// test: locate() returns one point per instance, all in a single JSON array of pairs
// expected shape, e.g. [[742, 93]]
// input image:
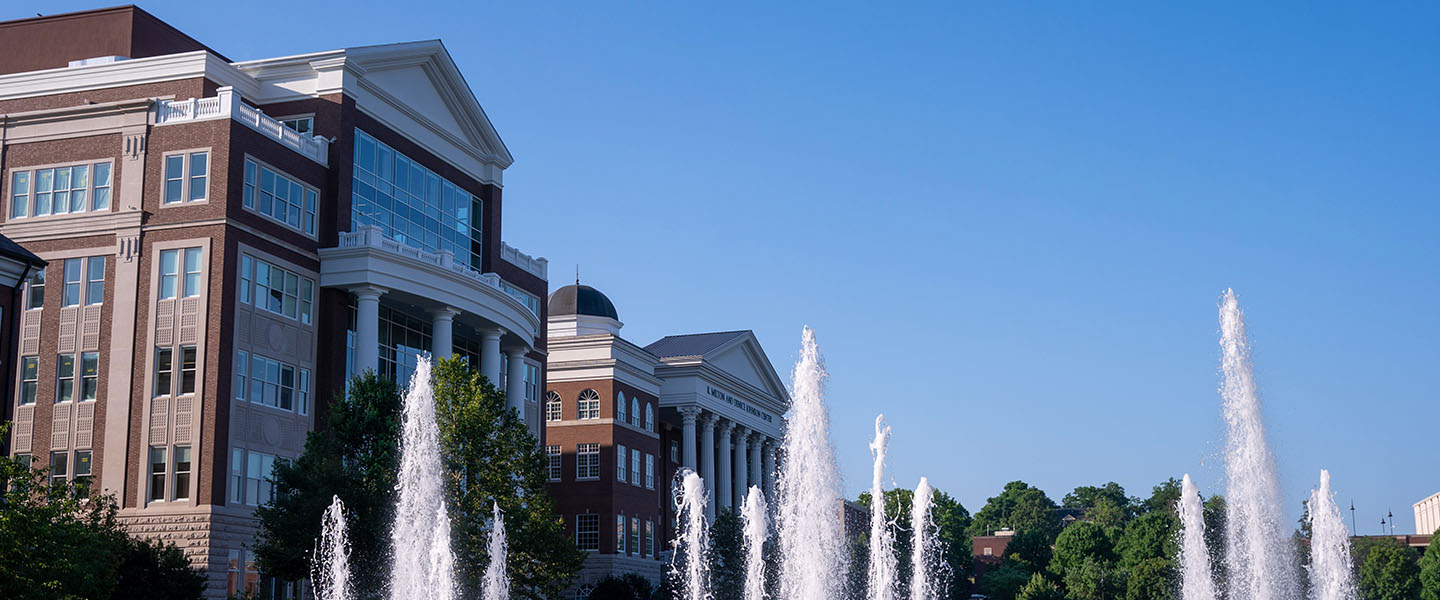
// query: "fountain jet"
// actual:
[[812, 536], [692, 538], [330, 569], [497, 582], [1196, 579], [925, 573], [1331, 576], [883, 568], [424, 564], [757, 529]]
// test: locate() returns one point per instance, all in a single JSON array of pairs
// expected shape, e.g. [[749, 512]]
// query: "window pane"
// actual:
[[95, 273], [198, 170], [174, 178]]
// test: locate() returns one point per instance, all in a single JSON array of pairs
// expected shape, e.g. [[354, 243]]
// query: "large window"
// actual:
[[553, 406], [552, 454], [35, 289], [526, 298], [635, 535], [157, 473], [532, 383], [82, 471], [29, 379], [403, 339], [619, 406], [272, 383], [68, 379], [186, 177], [174, 377], [87, 276], [60, 190], [300, 124], [413, 205], [635, 412], [589, 404], [587, 461], [649, 417], [276, 289], [635, 467], [650, 471], [620, 463], [587, 532], [182, 473], [619, 534], [58, 472], [279, 197], [250, 481], [649, 547], [179, 273]]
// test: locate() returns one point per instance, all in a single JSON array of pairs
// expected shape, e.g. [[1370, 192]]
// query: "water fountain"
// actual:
[[811, 533], [1331, 577], [496, 584], [757, 529], [330, 569], [692, 537], [1258, 556], [925, 547], [1196, 579], [883, 569], [424, 564]]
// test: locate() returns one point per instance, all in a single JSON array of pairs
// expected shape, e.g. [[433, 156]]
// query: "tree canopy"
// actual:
[[1389, 573], [1020, 507]]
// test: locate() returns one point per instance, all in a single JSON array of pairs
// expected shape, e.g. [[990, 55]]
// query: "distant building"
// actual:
[[1420, 542], [16, 266], [1427, 515], [989, 550], [857, 519]]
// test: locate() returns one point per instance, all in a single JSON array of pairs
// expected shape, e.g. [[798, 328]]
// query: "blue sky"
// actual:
[[1009, 222]]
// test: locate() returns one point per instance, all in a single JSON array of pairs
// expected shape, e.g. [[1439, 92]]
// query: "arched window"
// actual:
[[584, 592], [589, 404], [635, 412], [620, 406], [649, 417], [552, 406]]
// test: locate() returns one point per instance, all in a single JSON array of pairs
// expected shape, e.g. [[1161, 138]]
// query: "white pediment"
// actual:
[[738, 363], [412, 86], [743, 359]]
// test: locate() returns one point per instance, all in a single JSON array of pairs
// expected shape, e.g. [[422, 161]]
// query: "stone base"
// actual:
[[598, 566], [205, 536]]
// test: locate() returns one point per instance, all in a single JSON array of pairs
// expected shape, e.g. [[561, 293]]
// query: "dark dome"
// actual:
[[581, 300]]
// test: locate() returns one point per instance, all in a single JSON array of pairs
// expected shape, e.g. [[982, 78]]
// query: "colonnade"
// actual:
[[745, 457], [442, 344]]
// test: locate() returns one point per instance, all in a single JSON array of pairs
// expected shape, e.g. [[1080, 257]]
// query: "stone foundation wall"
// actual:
[[206, 538]]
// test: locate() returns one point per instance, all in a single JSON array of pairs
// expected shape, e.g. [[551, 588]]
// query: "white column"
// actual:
[[769, 467], [515, 381], [490, 355], [707, 461], [688, 415], [726, 469], [742, 468], [367, 328], [442, 333], [755, 466]]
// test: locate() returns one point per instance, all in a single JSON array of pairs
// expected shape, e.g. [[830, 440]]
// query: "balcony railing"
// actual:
[[227, 104], [370, 236], [535, 266]]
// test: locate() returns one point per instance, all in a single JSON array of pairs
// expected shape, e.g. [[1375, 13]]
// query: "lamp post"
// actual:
[[1354, 530], [1391, 516]]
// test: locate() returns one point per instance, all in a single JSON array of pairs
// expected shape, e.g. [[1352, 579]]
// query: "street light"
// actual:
[[1354, 530]]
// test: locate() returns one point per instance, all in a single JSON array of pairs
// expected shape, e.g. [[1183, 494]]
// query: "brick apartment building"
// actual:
[[224, 242], [621, 420]]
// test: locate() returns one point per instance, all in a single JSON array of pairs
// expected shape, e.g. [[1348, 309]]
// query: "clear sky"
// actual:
[[1009, 222]]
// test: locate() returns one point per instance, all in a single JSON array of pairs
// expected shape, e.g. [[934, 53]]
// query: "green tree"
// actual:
[[952, 521], [1005, 581], [625, 587], [1078, 542], [1430, 570], [61, 541], [355, 456], [1093, 579], [1163, 497], [727, 556], [1030, 548], [1152, 536], [1390, 573], [1019, 507], [1040, 588], [1151, 579], [491, 458]]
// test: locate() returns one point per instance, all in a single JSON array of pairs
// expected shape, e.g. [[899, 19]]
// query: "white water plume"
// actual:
[[496, 585], [1196, 579], [1331, 574], [883, 564], [925, 573], [1259, 558], [423, 562], [812, 535], [756, 526], [692, 537], [330, 565]]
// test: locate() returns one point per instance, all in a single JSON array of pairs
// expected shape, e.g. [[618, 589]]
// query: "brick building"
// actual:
[[621, 420], [227, 241]]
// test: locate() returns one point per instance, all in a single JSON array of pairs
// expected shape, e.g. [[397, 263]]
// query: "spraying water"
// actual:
[[330, 571], [925, 551], [883, 568], [1258, 553], [424, 563], [1196, 582], [496, 584], [757, 529], [1331, 576], [812, 536], [692, 538]]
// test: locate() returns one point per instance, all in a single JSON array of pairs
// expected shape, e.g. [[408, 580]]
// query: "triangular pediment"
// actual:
[[743, 359], [412, 86]]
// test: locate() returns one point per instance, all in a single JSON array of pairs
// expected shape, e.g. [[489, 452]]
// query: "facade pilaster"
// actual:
[[707, 462], [515, 381], [490, 355], [723, 474], [442, 336], [688, 414], [367, 328]]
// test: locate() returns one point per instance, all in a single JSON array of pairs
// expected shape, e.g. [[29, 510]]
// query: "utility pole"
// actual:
[[1353, 529]]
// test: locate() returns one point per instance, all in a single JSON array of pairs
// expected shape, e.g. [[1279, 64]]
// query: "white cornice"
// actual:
[[155, 69]]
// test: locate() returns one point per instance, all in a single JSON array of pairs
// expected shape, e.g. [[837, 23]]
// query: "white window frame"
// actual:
[[620, 406], [587, 462], [635, 467], [32, 181], [588, 405], [649, 471], [286, 121], [620, 468], [309, 207], [554, 407], [555, 467], [187, 177], [588, 520], [250, 288]]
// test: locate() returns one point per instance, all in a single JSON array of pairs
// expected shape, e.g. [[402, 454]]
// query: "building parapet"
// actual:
[[538, 267], [228, 104], [370, 236]]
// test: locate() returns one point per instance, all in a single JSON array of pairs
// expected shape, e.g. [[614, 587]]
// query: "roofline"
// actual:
[[110, 9]]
